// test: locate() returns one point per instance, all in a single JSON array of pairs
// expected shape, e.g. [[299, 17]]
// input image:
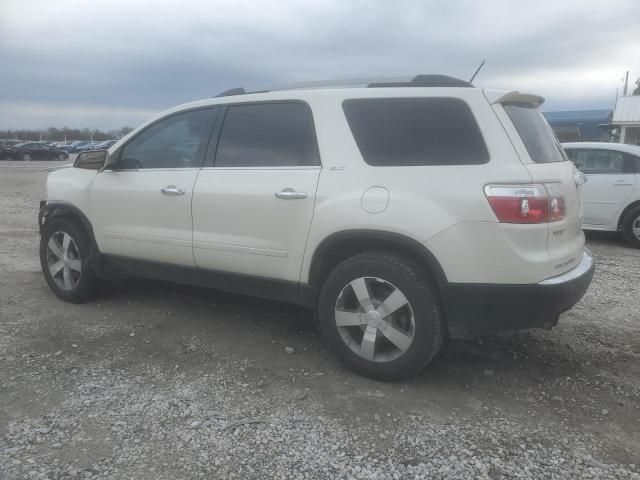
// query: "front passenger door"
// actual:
[[142, 208]]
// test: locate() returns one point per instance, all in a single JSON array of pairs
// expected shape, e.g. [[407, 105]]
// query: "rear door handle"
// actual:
[[172, 190], [291, 194], [622, 184]]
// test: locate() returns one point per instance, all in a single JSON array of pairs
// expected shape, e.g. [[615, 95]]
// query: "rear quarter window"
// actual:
[[415, 131], [536, 134]]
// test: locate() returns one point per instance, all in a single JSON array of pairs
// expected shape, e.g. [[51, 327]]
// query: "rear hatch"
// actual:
[[548, 165]]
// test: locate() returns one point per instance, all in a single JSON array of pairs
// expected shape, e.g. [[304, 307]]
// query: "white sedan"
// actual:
[[611, 196]]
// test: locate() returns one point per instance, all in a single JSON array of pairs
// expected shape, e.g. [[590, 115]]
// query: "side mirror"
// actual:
[[91, 159]]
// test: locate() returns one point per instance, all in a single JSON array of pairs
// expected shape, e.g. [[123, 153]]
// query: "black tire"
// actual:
[[84, 283], [390, 269], [630, 221]]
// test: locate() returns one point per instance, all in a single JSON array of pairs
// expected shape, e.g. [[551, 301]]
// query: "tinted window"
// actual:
[[572, 154], [174, 142], [536, 134], [601, 161], [267, 135], [415, 131]]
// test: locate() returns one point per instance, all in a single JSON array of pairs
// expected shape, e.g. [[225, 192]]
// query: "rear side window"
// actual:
[[415, 131], [267, 135], [600, 161], [536, 134]]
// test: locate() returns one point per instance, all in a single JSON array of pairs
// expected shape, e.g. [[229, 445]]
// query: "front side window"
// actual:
[[267, 135], [174, 142], [536, 134]]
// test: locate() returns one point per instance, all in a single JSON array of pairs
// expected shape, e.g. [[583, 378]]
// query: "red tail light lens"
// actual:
[[525, 203]]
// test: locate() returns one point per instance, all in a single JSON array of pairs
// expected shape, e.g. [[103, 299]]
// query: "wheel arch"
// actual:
[[53, 210], [339, 246], [626, 210]]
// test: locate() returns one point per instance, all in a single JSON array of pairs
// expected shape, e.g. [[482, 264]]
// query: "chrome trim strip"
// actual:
[[293, 167], [148, 238], [226, 247], [583, 267]]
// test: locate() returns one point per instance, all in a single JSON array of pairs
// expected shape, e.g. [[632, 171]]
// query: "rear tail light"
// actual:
[[536, 203]]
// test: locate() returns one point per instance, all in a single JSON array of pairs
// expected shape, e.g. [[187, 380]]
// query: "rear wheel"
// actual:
[[61, 156], [64, 254], [631, 227], [381, 315]]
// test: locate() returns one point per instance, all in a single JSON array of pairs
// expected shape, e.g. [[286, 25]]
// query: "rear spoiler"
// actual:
[[514, 97]]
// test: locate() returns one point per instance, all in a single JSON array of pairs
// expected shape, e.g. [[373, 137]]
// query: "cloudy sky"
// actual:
[[109, 63]]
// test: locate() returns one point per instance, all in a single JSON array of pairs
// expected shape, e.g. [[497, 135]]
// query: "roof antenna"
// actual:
[[478, 69]]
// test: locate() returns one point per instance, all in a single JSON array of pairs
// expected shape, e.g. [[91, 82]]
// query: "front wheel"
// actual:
[[381, 315], [26, 157], [631, 227], [64, 255]]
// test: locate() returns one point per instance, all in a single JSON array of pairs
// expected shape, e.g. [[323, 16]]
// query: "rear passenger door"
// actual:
[[253, 202], [611, 180]]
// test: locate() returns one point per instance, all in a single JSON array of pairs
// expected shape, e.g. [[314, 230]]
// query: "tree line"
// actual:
[[52, 134]]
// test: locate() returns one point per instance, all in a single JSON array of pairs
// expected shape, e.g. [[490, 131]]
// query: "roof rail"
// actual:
[[417, 81], [232, 91], [426, 81]]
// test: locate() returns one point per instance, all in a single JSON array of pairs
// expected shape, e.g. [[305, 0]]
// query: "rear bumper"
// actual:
[[486, 309]]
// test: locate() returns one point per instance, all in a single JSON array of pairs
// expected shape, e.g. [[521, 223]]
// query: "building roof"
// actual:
[[627, 110], [576, 116]]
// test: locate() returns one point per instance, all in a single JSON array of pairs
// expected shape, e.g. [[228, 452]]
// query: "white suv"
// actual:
[[612, 194], [404, 212]]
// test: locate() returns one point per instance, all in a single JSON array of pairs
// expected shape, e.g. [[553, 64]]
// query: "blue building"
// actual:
[[581, 125]]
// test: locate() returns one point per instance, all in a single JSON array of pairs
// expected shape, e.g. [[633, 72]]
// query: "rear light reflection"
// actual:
[[525, 203]]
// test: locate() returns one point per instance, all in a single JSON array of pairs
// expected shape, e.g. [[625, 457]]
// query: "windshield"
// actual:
[[536, 134]]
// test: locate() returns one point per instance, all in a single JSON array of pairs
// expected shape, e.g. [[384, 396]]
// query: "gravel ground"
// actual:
[[160, 381]]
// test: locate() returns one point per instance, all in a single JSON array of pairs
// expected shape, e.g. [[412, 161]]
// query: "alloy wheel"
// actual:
[[375, 319], [63, 260], [635, 227]]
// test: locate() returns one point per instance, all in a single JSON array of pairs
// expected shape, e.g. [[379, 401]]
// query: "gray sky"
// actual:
[[109, 63]]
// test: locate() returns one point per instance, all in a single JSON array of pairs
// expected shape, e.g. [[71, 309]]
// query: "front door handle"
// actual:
[[172, 190], [291, 194], [622, 183]]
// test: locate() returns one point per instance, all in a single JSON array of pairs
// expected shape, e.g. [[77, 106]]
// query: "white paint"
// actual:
[[605, 196], [375, 200], [240, 226]]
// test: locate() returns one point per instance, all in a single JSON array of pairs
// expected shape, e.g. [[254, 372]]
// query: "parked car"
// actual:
[[77, 147], [5, 146], [35, 151], [103, 145], [87, 146], [403, 212], [611, 195], [65, 145]]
